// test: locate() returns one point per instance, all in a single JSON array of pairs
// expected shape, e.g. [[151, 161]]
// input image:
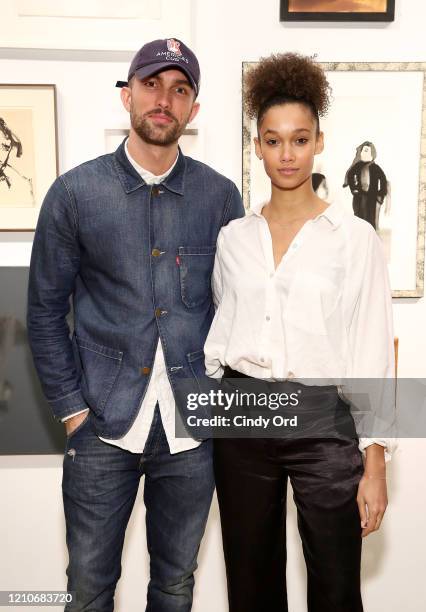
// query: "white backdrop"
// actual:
[[32, 551]]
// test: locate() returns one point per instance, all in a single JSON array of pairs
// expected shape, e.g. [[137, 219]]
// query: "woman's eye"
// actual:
[[272, 141], [302, 141]]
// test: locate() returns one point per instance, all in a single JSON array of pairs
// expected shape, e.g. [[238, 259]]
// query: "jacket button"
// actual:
[[145, 370], [155, 252], [157, 312], [155, 190]]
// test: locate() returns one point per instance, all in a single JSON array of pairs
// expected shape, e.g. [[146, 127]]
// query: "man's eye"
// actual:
[[150, 83], [182, 90]]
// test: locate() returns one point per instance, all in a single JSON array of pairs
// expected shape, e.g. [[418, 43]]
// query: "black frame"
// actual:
[[287, 15]]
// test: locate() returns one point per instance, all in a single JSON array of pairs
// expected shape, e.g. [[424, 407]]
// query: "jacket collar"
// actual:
[[132, 180]]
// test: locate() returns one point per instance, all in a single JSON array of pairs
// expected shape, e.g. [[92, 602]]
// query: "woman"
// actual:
[[302, 292]]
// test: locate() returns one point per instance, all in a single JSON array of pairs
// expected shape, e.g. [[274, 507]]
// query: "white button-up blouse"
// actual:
[[324, 313]]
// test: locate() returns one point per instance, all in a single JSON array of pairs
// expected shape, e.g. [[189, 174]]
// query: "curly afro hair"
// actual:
[[286, 77]]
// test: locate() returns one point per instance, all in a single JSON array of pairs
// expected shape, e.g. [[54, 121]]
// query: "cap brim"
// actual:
[[152, 69]]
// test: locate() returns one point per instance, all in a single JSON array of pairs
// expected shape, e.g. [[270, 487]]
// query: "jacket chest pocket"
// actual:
[[195, 270]]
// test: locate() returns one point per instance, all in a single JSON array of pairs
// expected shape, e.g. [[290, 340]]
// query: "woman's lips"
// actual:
[[287, 171]]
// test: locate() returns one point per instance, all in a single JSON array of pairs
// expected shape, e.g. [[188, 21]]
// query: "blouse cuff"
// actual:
[[390, 445]]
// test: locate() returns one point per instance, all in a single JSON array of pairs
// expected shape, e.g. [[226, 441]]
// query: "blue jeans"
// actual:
[[100, 484]]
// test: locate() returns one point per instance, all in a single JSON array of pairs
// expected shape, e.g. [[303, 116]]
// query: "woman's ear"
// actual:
[[319, 143], [257, 147]]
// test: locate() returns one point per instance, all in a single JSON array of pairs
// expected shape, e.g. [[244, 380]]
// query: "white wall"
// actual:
[[32, 552]]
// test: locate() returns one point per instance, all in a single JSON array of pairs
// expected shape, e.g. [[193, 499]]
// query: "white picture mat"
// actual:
[[103, 9], [385, 108], [41, 101], [168, 18]]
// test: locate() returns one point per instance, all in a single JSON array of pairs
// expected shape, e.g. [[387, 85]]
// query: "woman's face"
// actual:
[[287, 143], [366, 154]]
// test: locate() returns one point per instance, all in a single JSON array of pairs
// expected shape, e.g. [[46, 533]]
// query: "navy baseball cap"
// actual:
[[166, 54]]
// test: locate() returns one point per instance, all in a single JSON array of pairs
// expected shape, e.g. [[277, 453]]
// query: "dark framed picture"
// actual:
[[27, 426], [337, 10]]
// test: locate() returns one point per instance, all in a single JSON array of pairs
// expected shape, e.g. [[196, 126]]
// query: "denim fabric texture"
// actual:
[[100, 484]]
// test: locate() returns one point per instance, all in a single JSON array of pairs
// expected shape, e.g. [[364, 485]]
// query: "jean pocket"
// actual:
[[100, 368], [196, 363], [195, 271], [79, 426]]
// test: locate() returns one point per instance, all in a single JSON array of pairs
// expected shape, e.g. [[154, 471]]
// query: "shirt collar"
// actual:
[[132, 180], [333, 213], [149, 177]]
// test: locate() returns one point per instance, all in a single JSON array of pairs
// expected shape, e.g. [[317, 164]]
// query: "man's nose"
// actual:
[[163, 98]]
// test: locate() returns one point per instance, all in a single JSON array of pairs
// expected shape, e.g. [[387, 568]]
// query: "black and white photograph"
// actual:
[[27, 127], [16, 158]]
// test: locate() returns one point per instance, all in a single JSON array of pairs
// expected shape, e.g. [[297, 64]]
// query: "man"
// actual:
[[131, 237]]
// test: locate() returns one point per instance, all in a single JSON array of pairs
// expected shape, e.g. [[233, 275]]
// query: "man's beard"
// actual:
[[162, 136]]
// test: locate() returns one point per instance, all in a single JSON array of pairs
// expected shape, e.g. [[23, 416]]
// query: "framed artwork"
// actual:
[[337, 10], [27, 425], [376, 122], [105, 25], [28, 152]]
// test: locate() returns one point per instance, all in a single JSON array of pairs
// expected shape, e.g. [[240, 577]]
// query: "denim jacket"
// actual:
[[137, 262]]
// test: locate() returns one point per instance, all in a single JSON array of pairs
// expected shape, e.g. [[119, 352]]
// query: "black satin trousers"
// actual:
[[251, 482]]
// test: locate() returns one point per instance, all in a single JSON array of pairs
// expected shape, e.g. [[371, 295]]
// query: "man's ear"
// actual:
[[319, 144], [126, 97], [194, 111]]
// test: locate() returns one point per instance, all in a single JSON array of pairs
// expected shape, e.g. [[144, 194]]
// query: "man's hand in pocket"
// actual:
[[72, 423]]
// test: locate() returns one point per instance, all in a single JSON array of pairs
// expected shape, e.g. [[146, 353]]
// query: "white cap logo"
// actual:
[[174, 46]]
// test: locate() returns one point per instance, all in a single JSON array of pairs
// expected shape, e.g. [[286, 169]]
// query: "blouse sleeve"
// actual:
[[371, 348], [212, 352], [217, 274]]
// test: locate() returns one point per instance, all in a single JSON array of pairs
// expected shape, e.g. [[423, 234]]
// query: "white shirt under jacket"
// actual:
[[324, 313]]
